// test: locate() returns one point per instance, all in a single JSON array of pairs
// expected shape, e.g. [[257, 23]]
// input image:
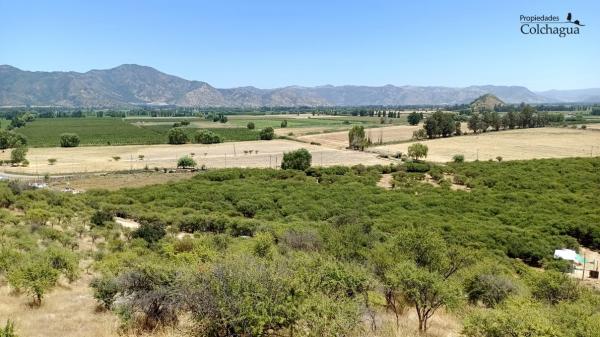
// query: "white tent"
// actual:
[[566, 254]]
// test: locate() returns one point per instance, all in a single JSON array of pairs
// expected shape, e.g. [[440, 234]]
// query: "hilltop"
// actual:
[[486, 102]]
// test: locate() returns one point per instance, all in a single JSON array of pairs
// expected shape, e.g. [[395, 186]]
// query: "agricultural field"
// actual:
[[274, 243], [386, 134], [127, 157], [510, 145]]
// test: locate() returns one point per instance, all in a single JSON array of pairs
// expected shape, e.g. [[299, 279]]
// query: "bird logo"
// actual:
[[576, 22]]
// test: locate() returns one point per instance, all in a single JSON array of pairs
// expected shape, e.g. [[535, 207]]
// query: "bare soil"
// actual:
[[339, 140]]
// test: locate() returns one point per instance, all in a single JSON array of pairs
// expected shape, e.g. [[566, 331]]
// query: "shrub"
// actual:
[[51, 161], [490, 289], [100, 217], [554, 287], [69, 140], [267, 133], [207, 137], [177, 136], [8, 330], [186, 162], [417, 167], [296, 160], [151, 232], [458, 158], [105, 290], [284, 123], [250, 125]]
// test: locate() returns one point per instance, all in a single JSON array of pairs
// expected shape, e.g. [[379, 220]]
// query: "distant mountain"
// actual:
[[573, 96], [487, 102], [130, 84]]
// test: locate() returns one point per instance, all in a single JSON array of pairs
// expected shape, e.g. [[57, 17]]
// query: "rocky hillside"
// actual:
[[486, 102], [130, 84]]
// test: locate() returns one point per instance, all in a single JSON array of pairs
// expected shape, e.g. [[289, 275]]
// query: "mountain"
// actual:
[[486, 102], [130, 85], [573, 96]]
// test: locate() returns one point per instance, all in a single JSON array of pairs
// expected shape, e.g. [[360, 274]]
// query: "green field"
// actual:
[[45, 132]]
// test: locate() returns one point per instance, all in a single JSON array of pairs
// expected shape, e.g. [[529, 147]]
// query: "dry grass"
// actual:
[[339, 140], [441, 325], [235, 154], [510, 145], [67, 311], [116, 181]]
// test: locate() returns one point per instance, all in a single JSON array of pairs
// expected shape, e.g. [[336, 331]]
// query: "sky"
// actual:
[[274, 43]]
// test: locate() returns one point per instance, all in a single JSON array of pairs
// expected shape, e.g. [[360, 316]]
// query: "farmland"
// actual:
[[237, 154], [510, 145]]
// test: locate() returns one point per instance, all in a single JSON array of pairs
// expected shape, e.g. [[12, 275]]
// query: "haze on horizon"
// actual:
[[271, 44]]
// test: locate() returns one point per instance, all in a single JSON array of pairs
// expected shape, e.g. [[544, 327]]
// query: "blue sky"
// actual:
[[276, 43]]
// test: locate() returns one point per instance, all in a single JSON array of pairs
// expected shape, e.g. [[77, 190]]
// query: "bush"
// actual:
[[267, 133], [490, 289], [10, 139], [417, 167], [554, 287], [458, 158], [250, 125], [207, 137], [177, 136], [186, 162], [105, 290], [151, 232], [69, 140], [100, 217], [296, 160], [284, 124], [8, 330]]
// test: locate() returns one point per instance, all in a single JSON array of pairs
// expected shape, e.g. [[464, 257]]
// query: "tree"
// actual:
[[36, 276], [10, 139], [356, 138], [414, 118], [284, 123], [17, 155], [250, 126], [69, 140], [267, 133], [474, 123], [418, 151], [296, 160], [425, 275], [207, 137], [186, 162], [177, 136], [105, 290]]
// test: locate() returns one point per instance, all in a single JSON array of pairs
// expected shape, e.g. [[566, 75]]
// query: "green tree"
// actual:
[[17, 155], [10, 139], [418, 151], [296, 160], [207, 137], [177, 136], [356, 138], [250, 125], [69, 140], [474, 123], [414, 118], [284, 123], [186, 162], [36, 276], [267, 133]]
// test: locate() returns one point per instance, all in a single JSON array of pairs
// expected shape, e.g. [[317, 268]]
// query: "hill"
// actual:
[[130, 85], [486, 102]]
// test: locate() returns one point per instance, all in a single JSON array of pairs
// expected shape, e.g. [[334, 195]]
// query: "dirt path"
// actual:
[[386, 181]]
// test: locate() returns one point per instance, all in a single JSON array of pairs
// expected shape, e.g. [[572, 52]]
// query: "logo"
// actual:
[[549, 25]]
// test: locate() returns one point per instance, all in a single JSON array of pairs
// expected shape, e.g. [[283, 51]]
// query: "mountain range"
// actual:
[[131, 85]]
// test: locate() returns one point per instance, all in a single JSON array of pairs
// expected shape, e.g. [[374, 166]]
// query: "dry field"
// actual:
[[339, 140], [235, 154], [510, 145]]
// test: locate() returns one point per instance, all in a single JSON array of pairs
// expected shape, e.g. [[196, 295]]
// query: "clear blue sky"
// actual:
[[276, 43]]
